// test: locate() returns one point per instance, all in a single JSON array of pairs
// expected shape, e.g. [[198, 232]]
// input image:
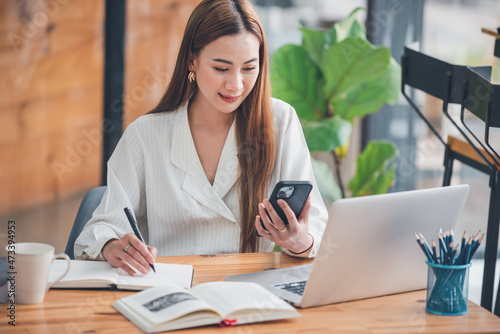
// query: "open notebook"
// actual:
[[227, 303], [100, 274]]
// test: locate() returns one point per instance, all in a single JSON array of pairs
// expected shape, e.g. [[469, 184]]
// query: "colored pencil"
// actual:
[[422, 246], [476, 246], [434, 252], [462, 245], [447, 252], [453, 253], [426, 250]]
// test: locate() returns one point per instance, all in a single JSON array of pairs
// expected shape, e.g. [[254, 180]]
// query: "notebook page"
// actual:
[[166, 274], [82, 271]]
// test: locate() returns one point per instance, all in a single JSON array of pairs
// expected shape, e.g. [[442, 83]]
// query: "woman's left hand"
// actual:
[[295, 236]]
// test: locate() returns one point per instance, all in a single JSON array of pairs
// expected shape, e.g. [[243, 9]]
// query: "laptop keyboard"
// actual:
[[293, 287]]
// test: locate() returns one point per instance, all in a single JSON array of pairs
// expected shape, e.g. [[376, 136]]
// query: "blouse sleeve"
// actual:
[[125, 188], [295, 163]]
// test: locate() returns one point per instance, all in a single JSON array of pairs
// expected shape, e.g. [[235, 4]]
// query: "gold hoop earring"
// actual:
[[191, 76]]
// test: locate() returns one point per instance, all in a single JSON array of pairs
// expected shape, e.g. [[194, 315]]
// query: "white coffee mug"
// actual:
[[30, 267]]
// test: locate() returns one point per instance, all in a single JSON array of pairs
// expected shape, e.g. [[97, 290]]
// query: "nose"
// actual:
[[234, 82]]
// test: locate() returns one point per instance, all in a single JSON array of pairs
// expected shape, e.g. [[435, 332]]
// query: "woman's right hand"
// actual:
[[129, 252]]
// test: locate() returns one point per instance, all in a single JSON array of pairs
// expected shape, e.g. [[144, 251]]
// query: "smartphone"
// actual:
[[295, 193]]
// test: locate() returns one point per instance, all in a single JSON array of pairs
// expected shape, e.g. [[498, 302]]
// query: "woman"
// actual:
[[196, 170]]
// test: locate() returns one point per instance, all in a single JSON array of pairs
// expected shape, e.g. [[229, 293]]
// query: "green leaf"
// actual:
[[297, 80], [370, 96], [348, 27], [327, 186], [327, 134], [313, 41], [351, 63], [384, 181], [371, 175], [391, 80]]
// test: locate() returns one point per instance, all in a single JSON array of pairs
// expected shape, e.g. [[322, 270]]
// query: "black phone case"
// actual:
[[296, 201]]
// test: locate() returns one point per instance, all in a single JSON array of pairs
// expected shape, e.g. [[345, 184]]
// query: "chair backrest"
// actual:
[[445, 81], [482, 99], [432, 76], [87, 207], [481, 95]]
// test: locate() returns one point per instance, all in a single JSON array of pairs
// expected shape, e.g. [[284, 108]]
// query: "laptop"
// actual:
[[368, 248]]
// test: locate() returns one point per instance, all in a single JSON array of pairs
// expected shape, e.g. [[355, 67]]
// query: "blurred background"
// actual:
[[60, 68]]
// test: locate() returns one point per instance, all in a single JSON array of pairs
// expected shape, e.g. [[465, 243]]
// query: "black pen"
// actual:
[[133, 223]]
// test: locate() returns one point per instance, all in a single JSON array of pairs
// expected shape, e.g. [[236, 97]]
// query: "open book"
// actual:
[[100, 274], [172, 307]]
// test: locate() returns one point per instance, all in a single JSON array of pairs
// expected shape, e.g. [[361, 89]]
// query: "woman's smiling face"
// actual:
[[226, 71]]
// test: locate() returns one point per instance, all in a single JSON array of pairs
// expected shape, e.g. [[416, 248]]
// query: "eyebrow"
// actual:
[[220, 60]]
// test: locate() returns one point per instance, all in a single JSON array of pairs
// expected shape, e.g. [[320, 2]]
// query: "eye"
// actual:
[[220, 69], [249, 69]]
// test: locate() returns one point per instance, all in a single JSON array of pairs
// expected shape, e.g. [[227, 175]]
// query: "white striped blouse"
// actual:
[[156, 172]]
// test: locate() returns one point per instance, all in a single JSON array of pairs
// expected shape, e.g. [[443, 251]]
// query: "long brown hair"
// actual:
[[210, 20]]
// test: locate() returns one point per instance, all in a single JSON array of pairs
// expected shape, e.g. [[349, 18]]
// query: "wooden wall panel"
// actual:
[[51, 81], [154, 34], [51, 65]]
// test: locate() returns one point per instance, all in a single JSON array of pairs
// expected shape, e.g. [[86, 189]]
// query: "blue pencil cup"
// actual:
[[447, 289]]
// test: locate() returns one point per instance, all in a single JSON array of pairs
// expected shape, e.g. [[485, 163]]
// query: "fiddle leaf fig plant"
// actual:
[[336, 76]]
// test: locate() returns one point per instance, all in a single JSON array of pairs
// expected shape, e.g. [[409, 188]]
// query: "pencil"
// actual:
[[426, 245], [453, 253], [426, 250], [425, 242], [461, 256], [434, 252], [476, 246], [442, 245], [448, 253], [462, 245], [421, 244], [468, 250]]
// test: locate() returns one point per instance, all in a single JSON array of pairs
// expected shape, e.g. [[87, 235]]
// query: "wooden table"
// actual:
[[90, 311]]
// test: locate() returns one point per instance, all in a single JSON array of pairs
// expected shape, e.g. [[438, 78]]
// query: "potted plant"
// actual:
[[336, 76]]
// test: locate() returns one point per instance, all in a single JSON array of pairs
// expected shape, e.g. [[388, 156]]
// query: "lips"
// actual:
[[229, 98]]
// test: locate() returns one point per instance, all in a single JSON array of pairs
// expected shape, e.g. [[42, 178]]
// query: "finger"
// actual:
[[135, 253], [304, 215], [142, 248], [119, 263], [265, 219], [134, 258], [118, 258], [290, 215], [260, 229], [278, 223], [141, 253], [153, 251]]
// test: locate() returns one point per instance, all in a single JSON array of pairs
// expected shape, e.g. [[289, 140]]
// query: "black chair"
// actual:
[[459, 84], [482, 99], [87, 207]]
